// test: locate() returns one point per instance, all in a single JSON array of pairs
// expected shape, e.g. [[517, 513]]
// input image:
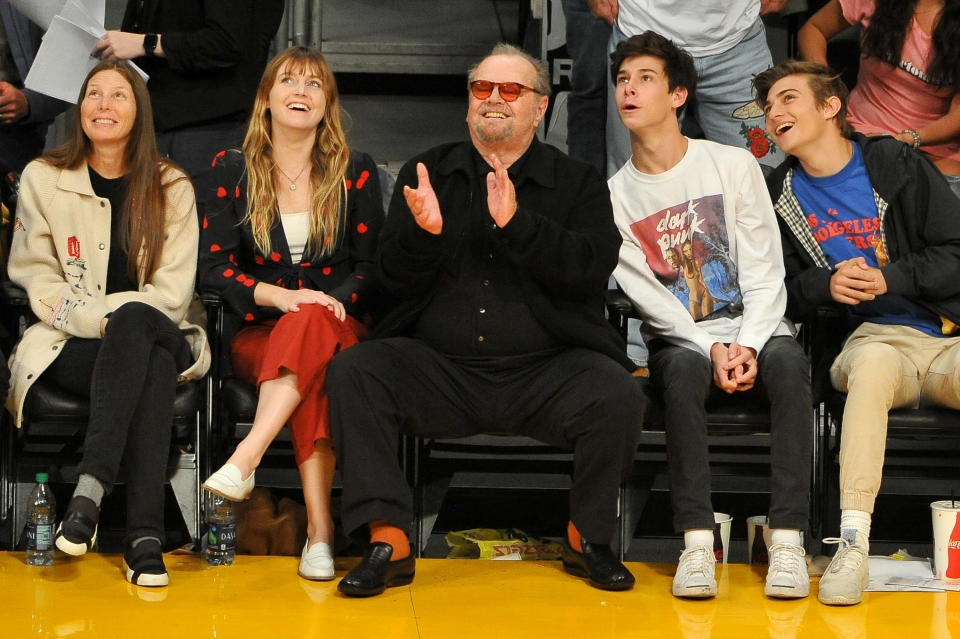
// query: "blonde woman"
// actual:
[[288, 241], [105, 245]]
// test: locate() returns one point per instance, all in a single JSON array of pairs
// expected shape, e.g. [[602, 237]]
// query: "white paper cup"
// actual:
[[758, 539], [946, 539], [721, 535]]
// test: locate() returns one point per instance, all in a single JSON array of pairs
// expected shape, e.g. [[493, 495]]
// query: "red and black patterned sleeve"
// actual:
[[364, 220], [220, 269]]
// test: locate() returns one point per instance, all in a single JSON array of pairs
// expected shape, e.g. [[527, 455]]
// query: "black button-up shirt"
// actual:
[[480, 309]]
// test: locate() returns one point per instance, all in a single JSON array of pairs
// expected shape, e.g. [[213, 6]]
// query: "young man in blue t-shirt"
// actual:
[[870, 226]]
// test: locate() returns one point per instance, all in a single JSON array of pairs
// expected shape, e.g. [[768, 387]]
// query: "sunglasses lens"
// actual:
[[481, 89], [510, 91]]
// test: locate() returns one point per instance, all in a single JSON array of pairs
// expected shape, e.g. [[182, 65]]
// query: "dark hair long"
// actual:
[[884, 37], [143, 217]]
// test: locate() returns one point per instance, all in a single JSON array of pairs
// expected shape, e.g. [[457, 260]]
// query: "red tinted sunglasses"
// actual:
[[509, 91]]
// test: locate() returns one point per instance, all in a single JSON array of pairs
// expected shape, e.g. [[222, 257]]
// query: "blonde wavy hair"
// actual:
[[330, 158]]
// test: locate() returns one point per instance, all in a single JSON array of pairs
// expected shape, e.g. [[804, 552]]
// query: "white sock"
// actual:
[[790, 536], [698, 537], [853, 522]]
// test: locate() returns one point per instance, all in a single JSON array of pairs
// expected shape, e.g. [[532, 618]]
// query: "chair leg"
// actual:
[[430, 496], [634, 493], [184, 481]]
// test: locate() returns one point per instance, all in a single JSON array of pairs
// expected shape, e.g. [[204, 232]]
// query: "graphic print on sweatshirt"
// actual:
[[687, 248]]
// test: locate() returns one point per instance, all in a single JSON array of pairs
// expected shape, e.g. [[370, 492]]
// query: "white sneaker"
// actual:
[[695, 573], [847, 575], [316, 562], [787, 576], [229, 483]]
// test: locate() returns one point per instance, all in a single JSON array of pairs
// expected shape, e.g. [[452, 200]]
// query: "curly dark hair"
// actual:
[[884, 37]]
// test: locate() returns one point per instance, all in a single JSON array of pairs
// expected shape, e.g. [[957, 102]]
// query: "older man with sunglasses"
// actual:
[[498, 251]]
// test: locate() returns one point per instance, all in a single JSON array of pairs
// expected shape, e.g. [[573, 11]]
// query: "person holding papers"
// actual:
[[204, 59]]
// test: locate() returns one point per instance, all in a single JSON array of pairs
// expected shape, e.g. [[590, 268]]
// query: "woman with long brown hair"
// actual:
[[288, 241], [105, 245]]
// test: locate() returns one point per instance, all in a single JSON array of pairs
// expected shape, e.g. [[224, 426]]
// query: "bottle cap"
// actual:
[[42, 478]]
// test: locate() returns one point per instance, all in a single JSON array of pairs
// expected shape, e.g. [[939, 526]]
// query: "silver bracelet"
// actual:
[[916, 137]]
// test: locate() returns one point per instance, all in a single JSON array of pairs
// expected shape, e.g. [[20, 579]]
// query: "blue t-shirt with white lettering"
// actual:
[[843, 218]]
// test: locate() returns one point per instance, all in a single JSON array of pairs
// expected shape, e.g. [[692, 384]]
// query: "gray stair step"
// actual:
[[413, 36]]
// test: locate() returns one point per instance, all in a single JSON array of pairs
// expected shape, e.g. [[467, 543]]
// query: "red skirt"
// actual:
[[304, 343]]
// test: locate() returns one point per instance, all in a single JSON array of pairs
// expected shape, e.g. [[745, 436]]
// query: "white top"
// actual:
[[296, 226], [701, 27], [701, 256]]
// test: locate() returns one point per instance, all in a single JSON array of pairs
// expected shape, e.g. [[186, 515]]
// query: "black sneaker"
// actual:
[[77, 532], [143, 563]]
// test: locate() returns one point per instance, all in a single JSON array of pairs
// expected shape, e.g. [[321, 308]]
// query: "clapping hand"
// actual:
[[423, 202]]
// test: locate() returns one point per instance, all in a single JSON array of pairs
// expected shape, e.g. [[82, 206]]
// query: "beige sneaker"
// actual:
[[787, 576], [696, 573], [847, 575]]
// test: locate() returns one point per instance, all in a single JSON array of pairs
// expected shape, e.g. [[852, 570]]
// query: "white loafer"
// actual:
[[316, 562], [228, 482]]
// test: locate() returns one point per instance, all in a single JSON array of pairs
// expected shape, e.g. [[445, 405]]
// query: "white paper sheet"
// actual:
[[901, 575], [73, 11], [39, 11], [42, 11], [63, 61]]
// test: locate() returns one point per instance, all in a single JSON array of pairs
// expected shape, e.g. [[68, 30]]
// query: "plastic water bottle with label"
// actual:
[[221, 531], [41, 518]]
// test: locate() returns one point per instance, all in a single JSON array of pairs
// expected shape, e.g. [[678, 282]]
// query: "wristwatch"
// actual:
[[149, 43]]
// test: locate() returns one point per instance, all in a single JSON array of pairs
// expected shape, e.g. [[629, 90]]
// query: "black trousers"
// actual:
[[573, 398], [194, 148], [684, 378], [130, 377]]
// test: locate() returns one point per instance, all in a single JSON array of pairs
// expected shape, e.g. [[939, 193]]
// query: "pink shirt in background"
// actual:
[[890, 100]]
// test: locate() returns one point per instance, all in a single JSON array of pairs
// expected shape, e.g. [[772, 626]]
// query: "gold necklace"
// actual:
[[293, 181]]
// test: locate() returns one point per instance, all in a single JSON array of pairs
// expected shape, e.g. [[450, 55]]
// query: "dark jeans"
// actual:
[[194, 148], [130, 377], [571, 398], [684, 378], [586, 112]]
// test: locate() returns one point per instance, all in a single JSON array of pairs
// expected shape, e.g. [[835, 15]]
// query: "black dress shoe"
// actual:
[[375, 572], [598, 564]]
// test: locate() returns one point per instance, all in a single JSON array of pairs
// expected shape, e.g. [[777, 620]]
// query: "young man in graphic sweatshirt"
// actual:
[[701, 261]]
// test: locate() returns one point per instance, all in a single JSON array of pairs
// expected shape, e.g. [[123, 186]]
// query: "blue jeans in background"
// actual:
[[587, 39]]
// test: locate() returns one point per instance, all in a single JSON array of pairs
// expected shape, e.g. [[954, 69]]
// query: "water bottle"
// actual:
[[221, 531], [41, 517]]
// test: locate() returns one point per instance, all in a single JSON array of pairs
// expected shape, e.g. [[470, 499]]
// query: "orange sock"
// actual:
[[573, 536], [381, 530]]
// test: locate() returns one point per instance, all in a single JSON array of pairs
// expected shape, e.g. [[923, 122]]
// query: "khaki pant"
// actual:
[[883, 367]]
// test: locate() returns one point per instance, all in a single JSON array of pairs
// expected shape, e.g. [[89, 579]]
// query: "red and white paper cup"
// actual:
[[946, 539]]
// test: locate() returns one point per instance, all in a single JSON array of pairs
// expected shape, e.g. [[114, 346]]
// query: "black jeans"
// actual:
[[194, 148], [571, 398], [130, 377], [684, 378]]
